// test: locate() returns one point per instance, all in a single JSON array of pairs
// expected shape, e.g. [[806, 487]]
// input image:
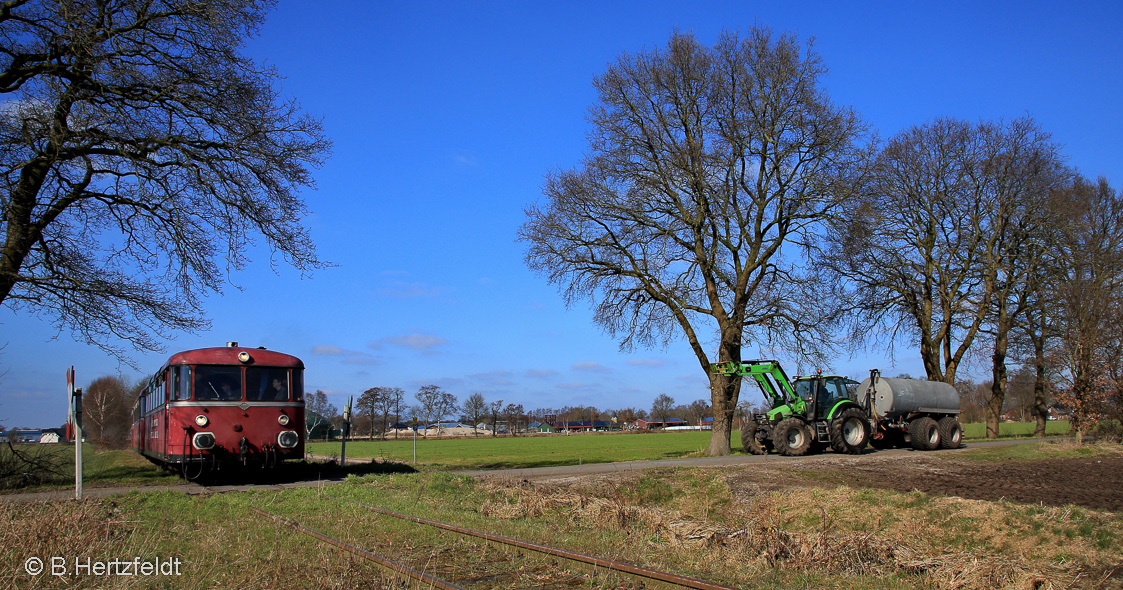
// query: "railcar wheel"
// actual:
[[792, 437]]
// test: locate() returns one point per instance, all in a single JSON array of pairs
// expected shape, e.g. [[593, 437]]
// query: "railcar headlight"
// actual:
[[283, 420], [203, 441], [244, 356], [287, 439], [201, 421]]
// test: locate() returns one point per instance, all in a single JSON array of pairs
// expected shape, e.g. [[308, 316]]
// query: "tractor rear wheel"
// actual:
[[792, 437], [749, 439], [924, 434], [850, 432], [951, 432]]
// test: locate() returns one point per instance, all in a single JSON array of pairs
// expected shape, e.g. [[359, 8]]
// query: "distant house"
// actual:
[[49, 436], [583, 425], [316, 426], [25, 435], [541, 427], [653, 423], [1059, 412]]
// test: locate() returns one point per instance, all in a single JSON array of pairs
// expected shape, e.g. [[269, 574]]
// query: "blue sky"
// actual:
[[446, 117]]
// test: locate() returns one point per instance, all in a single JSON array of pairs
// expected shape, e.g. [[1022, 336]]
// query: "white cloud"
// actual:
[[404, 290], [416, 341], [646, 363], [590, 367], [540, 373]]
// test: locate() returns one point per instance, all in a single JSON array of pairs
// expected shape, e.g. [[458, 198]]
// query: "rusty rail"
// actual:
[[595, 561], [397, 568]]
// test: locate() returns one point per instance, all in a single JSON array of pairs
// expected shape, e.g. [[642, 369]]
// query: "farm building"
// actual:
[[654, 423], [584, 425]]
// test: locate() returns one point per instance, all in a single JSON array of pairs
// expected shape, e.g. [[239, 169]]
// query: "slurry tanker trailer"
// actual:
[[811, 413]]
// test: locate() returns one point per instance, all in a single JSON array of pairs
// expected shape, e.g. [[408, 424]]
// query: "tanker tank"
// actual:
[[895, 397]]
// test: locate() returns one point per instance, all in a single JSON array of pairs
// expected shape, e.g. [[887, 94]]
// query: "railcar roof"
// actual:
[[228, 355]]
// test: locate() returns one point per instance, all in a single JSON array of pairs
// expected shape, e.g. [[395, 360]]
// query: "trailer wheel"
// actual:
[[850, 432], [792, 437], [951, 432], [924, 434], [749, 439]]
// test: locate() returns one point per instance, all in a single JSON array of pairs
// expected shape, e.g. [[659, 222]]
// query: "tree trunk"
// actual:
[[998, 374], [1040, 408]]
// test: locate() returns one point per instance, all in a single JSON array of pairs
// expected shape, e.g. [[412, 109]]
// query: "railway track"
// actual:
[[648, 575]]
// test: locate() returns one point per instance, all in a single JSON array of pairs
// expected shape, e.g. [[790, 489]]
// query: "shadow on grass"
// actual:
[[294, 472]]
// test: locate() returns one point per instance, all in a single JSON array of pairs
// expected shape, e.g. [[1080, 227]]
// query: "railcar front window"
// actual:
[[218, 383], [297, 385], [267, 384]]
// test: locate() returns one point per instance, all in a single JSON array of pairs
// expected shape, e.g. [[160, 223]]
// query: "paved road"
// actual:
[[522, 473], [732, 460]]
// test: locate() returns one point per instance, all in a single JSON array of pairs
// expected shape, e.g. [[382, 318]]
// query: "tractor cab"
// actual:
[[830, 390]]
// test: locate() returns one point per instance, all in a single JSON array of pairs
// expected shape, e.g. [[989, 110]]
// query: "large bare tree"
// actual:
[[704, 163], [107, 410], [1088, 301], [142, 157], [911, 248]]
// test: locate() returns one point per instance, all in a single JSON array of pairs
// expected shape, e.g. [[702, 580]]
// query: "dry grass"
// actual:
[[932, 542]]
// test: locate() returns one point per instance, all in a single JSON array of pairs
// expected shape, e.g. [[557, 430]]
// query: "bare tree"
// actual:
[[369, 403], [107, 410], [496, 410], [446, 404], [513, 413], [390, 402], [141, 155], [475, 408], [661, 407], [697, 410], [705, 162], [912, 247], [434, 404], [1089, 302]]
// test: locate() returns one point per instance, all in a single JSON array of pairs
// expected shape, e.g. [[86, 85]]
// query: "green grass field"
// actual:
[[488, 452], [978, 430], [99, 468]]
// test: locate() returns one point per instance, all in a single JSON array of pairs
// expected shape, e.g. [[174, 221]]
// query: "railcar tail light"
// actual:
[[287, 439], [201, 421], [283, 420], [203, 441]]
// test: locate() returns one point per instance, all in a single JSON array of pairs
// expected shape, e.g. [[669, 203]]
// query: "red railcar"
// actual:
[[214, 407]]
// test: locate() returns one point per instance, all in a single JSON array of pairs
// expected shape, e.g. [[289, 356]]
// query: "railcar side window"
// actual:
[[218, 383], [267, 384], [297, 385], [183, 383]]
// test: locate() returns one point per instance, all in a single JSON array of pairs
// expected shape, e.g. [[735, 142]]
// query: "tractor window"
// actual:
[[803, 389], [832, 391]]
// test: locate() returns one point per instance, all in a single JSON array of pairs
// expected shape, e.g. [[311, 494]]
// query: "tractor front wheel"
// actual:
[[792, 437], [749, 440], [850, 432]]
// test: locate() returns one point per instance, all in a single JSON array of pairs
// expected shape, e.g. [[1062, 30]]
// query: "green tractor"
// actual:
[[807, 415]]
